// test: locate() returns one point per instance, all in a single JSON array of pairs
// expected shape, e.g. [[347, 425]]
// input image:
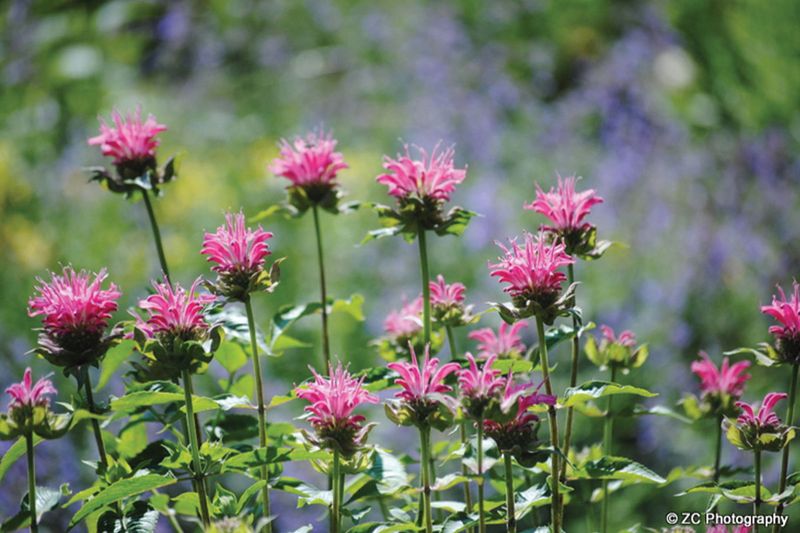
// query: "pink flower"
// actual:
[[728, 380], [480, 384], [235, 248], [74, 303], [175, 311], [312, 160], [627, 338], [446, 295], [787, 312], [426, 383], [333, 400], [505, 343], [429, 177], [565, 207], [515, 394], [130, 140], [406, 322], [25, 394], [724, 529], [765, 418], [531, 270]]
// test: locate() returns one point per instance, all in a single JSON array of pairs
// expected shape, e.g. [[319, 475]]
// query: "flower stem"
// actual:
[[326, 348], [757, 501], [785, 457], [195, 445], [481, 511], [98, 435], [425, 469], [426, 290], [337, 496], [551, 412], [573, 377], [464, 470], [608, 429], [511, 519], [451, 340], [718, 450], [162, 259], [262, 410], [31, 482]]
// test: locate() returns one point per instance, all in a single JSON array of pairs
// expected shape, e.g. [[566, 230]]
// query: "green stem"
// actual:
[[757, 501], [464, 470], [195, 445], [511, 519], [337, 496], [98, 435], [608, 429], [425, 471], [262, 410], [551, 412], [426, 289], [31, 482], [573, 377], [451, 340], [162, 259], [718, 450], [326, 348], [785, 457], [481, 511]]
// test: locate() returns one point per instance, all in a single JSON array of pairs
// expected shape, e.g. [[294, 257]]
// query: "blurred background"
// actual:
[[683, 115]]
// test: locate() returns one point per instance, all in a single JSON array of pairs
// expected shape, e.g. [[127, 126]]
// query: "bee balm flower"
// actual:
[[787, 333], [406, 322], [75, 310], [532, 276], [239, 254], [480, 387], [311, 164], [333, 400], [423, 398], [566, 208], [721, 387], [29, 411], [430, 178], [447, 303], [505, 344], [27, 395], [760, 429], [617, 351]]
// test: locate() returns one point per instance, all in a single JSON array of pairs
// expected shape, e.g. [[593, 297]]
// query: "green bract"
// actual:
[[133, 176]]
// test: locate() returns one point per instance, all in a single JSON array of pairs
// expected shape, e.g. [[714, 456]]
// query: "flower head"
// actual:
[[129, 140], [175, 312], [505, 344], [759, 428], [26, 394], [423, 398], [515, 429], [239, 254], [447, 303], [727, 381], [626, 339], [310, 160], [406, 322], [531, 272], [75, 310], [564, 206], [430, 177], [480, 387], [787, 312], [333, 400], [617, 351]]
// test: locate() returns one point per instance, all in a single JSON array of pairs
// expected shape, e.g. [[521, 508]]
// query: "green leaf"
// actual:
[[141, 518], [47, 499], [618, 468], [660, 410], [251, 491], [593, 390], [118, 490], [113, 359], [352, 306], [13, 454], [285, 342], [231, 356]]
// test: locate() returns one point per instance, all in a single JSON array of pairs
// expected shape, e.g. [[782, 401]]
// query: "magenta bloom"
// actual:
[[531, 271], [517, 434], [309, 161], [26, 394], [446, 295], [236, 248], [129, 139], [727, 380], [406, 322], [431, 176], [74, 303], [426, 383], [480, 386], [627, 338], [175, 312], [333, 400], [765, 418], [564, 206], [724, 529], [787, 313], [504, 344]]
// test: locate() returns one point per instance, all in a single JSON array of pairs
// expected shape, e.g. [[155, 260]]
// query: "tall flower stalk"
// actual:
[[555, 513], [608, 429], [34, 526], [194, 443], [312, 164], [511, 519], [462, 425]]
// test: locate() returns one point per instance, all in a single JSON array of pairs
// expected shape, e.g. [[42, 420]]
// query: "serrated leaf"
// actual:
[[112, 361], [231, 355], [618, 468], [593, 390], [118, 490]]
